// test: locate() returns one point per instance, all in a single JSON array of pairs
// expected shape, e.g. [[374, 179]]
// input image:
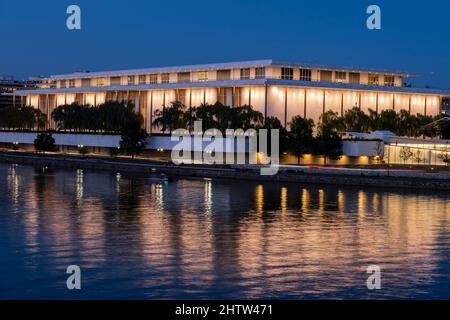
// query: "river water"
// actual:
[[136, 237]]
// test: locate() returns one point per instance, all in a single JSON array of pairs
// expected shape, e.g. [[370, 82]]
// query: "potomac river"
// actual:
[[135, 236]]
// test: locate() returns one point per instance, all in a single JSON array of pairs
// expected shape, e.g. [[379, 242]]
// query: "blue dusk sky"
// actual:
[[136, 34]]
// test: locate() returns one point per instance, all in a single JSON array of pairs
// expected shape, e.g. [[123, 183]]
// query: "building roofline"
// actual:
[[226, 83], [225, 65]]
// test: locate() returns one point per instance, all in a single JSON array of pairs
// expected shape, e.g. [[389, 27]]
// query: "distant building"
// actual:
[[275, 88], [446, 105], [8, 86]]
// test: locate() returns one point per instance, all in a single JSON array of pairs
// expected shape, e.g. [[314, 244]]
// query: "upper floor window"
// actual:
[[142, 79], [245, 73], [224, 74], [287, 73], [115, 81], [354, 78], [389, 81], [326, 76], [71, 83], [165, 77], [203, 76], [100, 82], [131, 80], [305, 75], [153, 78], [85, 82], [341, 76], [260, 73], [374, 79], [62, 84], [184, 77]]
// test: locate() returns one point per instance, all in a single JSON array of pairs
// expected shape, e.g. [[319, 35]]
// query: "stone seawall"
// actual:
[[364, 178]]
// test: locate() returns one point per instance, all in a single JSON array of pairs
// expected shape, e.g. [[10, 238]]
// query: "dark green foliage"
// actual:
[[134, 138], [300, 137], [213, 116], [172, 118], [272, 123], [44, 142], [108, 117], [331, 121], [329, 145], [23, 118], [356, 120], [401, 123]]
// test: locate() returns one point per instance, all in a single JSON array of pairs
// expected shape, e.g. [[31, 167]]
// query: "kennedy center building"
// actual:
[[275, 88]]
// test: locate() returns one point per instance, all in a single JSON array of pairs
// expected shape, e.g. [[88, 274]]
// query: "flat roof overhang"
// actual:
[[225, 65], [238, 83]]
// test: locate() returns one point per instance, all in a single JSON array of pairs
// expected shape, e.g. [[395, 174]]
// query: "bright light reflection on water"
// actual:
[[135, 237]]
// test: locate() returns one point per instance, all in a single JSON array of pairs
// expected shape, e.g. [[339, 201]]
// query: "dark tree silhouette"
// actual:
[[134, 137], [44, 142], [300, 137]]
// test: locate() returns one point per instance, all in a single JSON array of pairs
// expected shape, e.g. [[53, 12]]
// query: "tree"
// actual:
[[134, 138], [172, 117], [406, 154], [107, 117], [428, 131], [445, 157], [379, 150], [208, 115], [328, 143], [71, 116], [44, 142], [374, 120], [388, 120], [418, 157], [22, 117], [300, 137], [273, 123], [356, 120], [407, 124], [330, 121], [245, 117], [218, 116], [329, 146], [41, 118]]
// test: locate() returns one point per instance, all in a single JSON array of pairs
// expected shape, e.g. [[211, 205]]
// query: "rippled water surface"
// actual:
[[135, 237]]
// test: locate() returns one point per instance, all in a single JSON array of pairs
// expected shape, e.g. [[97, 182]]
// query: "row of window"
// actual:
[[165, 78], [69, 83], [340, 76], [223, 75]]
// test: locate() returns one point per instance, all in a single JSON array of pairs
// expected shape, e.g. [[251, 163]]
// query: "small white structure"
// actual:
[[400, 150]]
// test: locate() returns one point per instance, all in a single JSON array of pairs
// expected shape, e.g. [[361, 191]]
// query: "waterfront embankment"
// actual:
[[381, 178]]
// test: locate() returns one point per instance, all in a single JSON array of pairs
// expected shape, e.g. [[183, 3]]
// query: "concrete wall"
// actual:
[[362, 148], [113, 141], [166, 143], [88, 140]]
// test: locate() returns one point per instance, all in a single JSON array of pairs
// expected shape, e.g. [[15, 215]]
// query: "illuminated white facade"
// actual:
[[274, 88]]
